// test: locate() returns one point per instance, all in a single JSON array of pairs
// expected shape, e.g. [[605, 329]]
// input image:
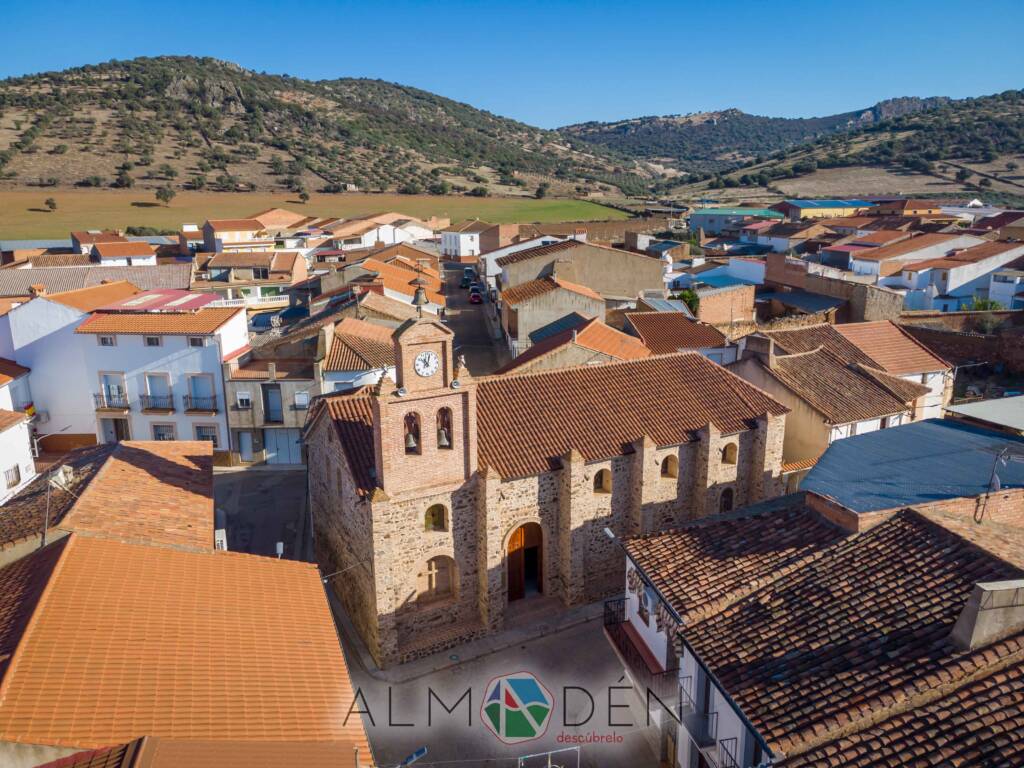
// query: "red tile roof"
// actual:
[[469, 226], [527, 422], [812, 337], [10, 370], [904, 247], [864, 627], [530, 290], [111, 640], [591, 334], [10, 419], [360, 346], [124, 250], [286, 369], [202, 322], [235, 225], [533, 253], [105, 236], [664, 332], [92, 298], [891, 348]]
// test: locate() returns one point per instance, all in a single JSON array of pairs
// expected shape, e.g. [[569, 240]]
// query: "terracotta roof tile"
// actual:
[[233, 259], [904, 247], [527, 422], [123, 250], [235, 225], [841, 393], [708, 564], [893, 349], [360, 346], [664, 332], [812, 337], [469, 226], [9, 419], [862, 627], [203, 321], [400, 279], [285, 369], [154, 492], [91, 238], [10, 370], [129, 639], [61, 260], [523, 292], [94, 297], [591, 334], [532, 253]]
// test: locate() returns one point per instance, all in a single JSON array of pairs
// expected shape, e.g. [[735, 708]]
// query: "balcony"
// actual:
[[110, 401], [200, 404], [157, 403], [638, 660]]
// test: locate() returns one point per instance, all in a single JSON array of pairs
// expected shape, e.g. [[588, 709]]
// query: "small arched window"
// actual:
[[413, 444], [603, 481], [444, 429], [436, 518], [438, 579], [725, 500], [729, 453], [670, 466]]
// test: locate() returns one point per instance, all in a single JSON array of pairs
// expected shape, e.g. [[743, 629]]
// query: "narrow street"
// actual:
[[484, 355]]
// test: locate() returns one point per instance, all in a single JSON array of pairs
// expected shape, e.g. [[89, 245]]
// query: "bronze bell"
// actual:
[[442, 438], [410, 441]]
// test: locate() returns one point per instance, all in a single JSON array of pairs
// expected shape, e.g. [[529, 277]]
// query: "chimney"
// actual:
[[761, 347], [37, 290], [271, 371], [575, 333], [580, 234], [994, 610]]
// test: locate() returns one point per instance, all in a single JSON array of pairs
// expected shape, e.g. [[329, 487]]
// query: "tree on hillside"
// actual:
[[963, 175], [304, 196], [51, 204], [542, 190], [165, 194], [478, 192]]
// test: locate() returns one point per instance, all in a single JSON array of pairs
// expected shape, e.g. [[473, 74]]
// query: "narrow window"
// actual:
[[12, 476], [729, 454], [444, 429], [670, 466], [196, 341], [412, 433], [725, 501], [301, 401], [152, 341], [105, 341], [436, 518], [603, 481]]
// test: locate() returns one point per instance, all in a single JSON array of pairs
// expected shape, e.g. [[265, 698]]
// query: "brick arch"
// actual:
[[523, 558]]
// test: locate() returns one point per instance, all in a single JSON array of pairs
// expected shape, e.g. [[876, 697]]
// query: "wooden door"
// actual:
[[515, 563]]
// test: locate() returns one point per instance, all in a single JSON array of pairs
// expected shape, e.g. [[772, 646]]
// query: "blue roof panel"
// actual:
[[917, 463]]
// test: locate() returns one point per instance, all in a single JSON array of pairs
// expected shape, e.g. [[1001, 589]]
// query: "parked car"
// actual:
[[467, 280], [474, 286], [476, 297]]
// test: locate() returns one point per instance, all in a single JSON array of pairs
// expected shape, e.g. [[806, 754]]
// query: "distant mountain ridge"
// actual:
[[715, 141]]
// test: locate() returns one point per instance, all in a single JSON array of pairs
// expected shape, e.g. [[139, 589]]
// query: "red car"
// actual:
[[476, 298]]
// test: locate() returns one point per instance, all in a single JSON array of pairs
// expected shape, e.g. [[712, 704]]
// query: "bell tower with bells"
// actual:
[[425, 425]]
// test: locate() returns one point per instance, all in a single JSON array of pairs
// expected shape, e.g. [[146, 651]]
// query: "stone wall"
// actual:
[[726, 306]]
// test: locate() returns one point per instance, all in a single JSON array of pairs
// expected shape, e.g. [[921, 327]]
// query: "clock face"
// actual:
[[426, 363]]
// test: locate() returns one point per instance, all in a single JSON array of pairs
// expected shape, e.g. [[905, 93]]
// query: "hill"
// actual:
[[716, 141], [201, 123], [966, 147]]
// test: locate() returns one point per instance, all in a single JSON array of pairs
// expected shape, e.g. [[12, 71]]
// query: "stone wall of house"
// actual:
[[724, 307]]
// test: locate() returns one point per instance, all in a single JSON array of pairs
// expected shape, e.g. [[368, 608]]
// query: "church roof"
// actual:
[[527, 422]]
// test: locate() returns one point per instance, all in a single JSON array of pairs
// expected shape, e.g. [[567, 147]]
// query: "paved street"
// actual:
[[264, 507], [578, 656], [483, 356]]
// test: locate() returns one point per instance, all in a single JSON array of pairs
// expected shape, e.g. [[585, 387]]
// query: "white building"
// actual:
[[40, 336], [1006, 286], [462, 241], [357, 354], [488, 268], [953, 282], [157, 373], [16, 455], [889, 259], [235, 235], [130, 254]]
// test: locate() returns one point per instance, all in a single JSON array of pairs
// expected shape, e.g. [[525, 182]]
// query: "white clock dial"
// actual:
[[426, 363]]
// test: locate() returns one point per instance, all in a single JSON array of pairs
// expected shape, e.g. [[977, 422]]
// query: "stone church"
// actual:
[[451, 505]]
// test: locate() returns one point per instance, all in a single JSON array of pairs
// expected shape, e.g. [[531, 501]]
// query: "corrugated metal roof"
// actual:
[[917, 463], [18, 245], [1006, 411], [763, 212]]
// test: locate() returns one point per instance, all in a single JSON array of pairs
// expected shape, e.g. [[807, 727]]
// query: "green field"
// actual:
[[23, 214]]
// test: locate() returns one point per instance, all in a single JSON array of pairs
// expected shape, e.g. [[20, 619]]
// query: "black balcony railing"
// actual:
[[157, 402], [664, 684], [206, 403], [111, 400]]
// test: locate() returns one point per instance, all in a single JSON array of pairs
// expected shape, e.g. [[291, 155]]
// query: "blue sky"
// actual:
[[556, 62]]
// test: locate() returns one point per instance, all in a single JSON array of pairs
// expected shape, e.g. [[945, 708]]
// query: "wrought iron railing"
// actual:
[[197, 403], [727, 753], [664, 684], [157, 402], [111, 400]]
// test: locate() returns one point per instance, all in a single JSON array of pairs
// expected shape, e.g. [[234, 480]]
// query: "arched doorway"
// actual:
[[525, 562]]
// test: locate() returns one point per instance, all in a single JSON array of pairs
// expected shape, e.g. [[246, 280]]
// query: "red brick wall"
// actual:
[[732, 306]]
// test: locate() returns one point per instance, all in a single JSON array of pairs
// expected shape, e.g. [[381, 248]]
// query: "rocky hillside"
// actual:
[[207, 124], [717, 141]]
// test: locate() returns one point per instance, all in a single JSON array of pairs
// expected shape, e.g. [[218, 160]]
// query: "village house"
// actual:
[[789, 236], [954, 281], [1006, 285], [25, 282], [395, 281], [767, 583], [450, 500], [83, 242], [717, 221], [356, 353], [461, 242], [38, 335], [829, 397], [794, 210], [17, 461], [235, 235], [530, 306], [664, 332], [586, 342], [618, 276], [890, 259], [487, 265], [130, 559], [153, 363], [249, 278], [908, 207], [132, 254]]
